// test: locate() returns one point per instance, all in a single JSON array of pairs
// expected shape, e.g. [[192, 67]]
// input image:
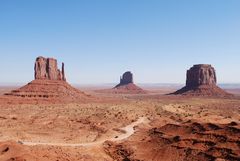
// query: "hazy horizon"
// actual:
[[109, 85], [99, 40]]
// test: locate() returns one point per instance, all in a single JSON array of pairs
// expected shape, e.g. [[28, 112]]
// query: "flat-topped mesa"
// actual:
[[46, 69], [201, 74], [202, 81]]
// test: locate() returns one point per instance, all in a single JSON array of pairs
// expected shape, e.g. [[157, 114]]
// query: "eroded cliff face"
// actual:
[[202, 81], [49, 85], [201, 74], [46, 69]]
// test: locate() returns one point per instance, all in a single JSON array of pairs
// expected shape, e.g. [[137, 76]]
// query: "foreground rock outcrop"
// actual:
[[202, 81], [12, 151], [49, 84], [186, 141]]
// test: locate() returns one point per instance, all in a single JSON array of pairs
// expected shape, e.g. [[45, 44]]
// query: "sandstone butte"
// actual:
[[49, 84], [127, 85], [202, 81]]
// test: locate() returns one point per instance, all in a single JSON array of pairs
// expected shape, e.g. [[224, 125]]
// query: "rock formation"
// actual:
[[46, 69], [201, 74], [126, 78], [49, 84], [201, 81], [126, 85]]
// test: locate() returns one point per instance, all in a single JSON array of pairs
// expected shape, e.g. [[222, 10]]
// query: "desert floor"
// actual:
[[127, 127]]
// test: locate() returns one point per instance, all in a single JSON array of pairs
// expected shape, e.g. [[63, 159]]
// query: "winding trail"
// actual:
[[129, 130]]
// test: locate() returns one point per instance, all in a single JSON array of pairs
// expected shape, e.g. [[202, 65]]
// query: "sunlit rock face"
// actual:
[[201, 74], [202, 81], [46, 69]]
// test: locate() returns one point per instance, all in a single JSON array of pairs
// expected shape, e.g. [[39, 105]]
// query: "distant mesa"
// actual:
[[125, 79], [127, 86], [49, 84], [202, 81]]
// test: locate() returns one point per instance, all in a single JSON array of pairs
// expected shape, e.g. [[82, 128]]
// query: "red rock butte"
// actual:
[[49, 84], [46, 69], [202, 81], [127, 85], [125, 79]]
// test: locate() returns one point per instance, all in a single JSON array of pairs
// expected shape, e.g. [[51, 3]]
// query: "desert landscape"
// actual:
[[48, 119], [119, 80]]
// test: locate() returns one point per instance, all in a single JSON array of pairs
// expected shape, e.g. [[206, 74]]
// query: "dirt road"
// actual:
[[129, 130]]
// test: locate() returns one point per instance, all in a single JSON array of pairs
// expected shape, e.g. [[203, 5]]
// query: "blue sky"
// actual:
[[158, 40]]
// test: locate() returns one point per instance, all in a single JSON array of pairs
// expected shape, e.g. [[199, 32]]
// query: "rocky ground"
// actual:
[[176, 128]]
